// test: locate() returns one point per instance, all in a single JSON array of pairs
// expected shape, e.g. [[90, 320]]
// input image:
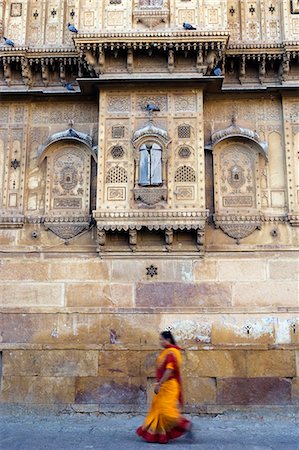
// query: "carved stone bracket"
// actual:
[[133, 239], [67, 227], [238, 227], [151, 18], [150, 195]]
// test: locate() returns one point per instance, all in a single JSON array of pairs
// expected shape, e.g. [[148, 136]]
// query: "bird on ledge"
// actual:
[[8, 42], [72, 28], [188, 26]]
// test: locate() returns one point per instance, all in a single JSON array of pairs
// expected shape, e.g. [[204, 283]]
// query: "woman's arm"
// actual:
[[167, 374]]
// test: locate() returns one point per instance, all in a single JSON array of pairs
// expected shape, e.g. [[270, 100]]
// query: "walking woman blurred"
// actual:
[[164, 420]]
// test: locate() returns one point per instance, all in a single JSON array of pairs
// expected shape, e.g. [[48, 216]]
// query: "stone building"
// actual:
[[149, 179]]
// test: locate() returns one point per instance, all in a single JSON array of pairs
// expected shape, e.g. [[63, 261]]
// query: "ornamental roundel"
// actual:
[[184, 152], [117, 152]]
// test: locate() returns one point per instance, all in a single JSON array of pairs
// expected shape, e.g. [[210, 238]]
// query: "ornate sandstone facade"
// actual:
[[149, 179]]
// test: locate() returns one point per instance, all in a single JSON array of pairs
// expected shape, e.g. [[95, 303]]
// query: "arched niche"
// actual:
[[68, 157], [237, 191]]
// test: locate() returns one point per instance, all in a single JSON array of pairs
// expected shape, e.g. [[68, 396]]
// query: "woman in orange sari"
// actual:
[[164, 420]]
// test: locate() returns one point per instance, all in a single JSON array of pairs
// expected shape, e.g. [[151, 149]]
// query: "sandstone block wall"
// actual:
[[84, 332]]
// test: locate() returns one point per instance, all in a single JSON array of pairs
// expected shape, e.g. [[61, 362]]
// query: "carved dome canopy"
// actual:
[[150, 130], [67, 135], [236, 131]]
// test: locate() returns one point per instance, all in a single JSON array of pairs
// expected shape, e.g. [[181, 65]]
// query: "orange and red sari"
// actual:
[[164, 420]]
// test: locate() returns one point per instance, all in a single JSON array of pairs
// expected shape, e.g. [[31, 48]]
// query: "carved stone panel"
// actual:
[[68, 181], [235, 178]]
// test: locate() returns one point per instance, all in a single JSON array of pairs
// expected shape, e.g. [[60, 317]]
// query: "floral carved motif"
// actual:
[[238, 230], [151, 195], [118, 104]]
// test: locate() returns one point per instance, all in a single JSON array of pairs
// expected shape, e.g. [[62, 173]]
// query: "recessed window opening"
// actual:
[[150, 164]]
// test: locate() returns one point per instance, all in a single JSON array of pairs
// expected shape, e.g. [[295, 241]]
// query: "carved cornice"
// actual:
[[294, 219], [12, 221], [152, 220]]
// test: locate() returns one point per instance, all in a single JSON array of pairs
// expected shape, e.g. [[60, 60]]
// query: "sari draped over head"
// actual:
[[164, 420]]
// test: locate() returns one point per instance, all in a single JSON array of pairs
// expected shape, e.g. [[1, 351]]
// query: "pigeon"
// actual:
[[188, 26], [217, 72], [8, 42], [73, 133], [72, 28], [69, 87], [152, 107]]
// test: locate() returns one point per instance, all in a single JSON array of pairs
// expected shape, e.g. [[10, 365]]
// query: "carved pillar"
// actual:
[[130, 60], [199, 59], [102, 61], [26, 72], [169, 238], [7, 71], [171, 61], [101, 240], [242, 68], [285, 66], [262, 68], [200, 238], [45, 72], [133, 240]]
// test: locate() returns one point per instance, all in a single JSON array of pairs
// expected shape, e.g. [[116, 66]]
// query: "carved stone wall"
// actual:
[[45, 23], [123, 116]]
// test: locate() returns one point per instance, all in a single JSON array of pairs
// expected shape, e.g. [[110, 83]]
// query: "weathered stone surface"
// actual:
[[271, 363], [119, 363], [50, 363], [88, 270], [131, 329], [243, 329], [254, 391], [199, 390], [42, 390], [205, 270], [25, 270], [106, 391], [270, 293], [284, 269], [148, 363], [135, 271], [31, 294], [297, 362], [287, 329], [215, 363], [241, 270], [295, 390], [183, 294], [52, 329], [97, 294], [189, 329]]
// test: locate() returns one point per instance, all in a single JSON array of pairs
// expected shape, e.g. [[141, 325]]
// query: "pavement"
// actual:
[[230, 431]]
